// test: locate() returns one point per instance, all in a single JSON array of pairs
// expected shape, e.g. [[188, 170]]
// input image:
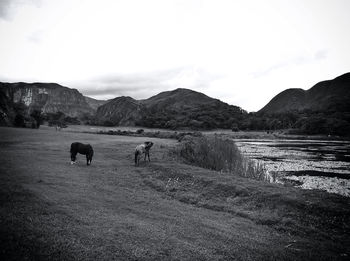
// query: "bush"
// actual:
[[218, 154], [140, 131], [37, 116], [71, 120], [108, 123], [235, 129], [19, 120]]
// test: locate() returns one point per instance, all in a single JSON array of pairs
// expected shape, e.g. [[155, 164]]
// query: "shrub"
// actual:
[[140, 131], [37, 116], [19, 121], [71, 120], [218, 154], [108, 123]]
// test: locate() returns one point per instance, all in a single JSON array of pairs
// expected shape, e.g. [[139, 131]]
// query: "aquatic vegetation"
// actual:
[[286, 158]]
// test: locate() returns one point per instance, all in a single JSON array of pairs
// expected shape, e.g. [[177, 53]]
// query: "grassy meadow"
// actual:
[[161, 210]]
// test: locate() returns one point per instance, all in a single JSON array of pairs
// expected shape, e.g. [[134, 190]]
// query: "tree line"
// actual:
[[204, 118]]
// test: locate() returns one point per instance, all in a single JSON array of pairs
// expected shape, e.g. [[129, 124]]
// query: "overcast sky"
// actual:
[[241, 52]]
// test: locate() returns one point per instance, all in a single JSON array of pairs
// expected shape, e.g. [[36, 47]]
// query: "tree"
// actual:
[[19, 120], [37, 116]]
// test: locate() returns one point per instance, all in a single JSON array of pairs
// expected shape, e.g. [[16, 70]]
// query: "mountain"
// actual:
[[170, 109], [93, 103], [123, 111], [49, 98], [178, 99], [326, 96], [323, 109]]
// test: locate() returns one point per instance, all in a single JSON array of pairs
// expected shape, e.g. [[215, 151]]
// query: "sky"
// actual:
[[243, 52]]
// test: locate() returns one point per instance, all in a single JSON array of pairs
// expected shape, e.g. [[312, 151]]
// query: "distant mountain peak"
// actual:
[[328, 95], [169, 109]]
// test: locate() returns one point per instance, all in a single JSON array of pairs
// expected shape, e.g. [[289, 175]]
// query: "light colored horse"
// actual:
[[140, 149]]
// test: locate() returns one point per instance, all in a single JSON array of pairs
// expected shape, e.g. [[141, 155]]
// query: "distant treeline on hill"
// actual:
[[307, 122], [203, 117], [310, 123]]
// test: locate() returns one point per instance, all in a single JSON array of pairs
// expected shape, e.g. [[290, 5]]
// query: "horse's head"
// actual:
[[73, 157], [148, 145]]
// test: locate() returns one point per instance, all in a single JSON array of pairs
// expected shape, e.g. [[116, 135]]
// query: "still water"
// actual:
[[309, 164]]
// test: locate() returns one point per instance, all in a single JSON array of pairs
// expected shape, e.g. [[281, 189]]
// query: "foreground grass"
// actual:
[[161, 210]]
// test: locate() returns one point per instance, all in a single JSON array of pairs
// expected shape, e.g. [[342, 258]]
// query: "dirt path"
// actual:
[[161, 210]]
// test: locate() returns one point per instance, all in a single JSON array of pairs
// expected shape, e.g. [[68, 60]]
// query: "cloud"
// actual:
[[321, 54], [5, 9], [270, 69], [295, 61], [36, 36], [8, 7], [144, 85]]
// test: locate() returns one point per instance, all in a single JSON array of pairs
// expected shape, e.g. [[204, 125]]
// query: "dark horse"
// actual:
[[81, 148]]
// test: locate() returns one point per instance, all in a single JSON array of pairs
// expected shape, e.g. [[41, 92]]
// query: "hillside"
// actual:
[[323, 109], [49, 98], [123, 111], [179, 108], [178, 99], [325, 96], [93, 103]]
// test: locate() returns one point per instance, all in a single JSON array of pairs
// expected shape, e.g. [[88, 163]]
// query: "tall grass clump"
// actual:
[[218, 154]]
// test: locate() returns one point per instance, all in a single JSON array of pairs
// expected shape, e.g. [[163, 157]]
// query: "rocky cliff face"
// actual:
[[6, 110], [47, 97]]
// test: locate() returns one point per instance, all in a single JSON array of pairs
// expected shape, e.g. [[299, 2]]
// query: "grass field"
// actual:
[[162, 210]]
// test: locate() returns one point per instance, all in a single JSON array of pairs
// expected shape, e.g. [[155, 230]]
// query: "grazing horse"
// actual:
[[81, 148], [140, 149]]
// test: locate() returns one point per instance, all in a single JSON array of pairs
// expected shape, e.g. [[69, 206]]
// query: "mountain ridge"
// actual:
[[326, 102], [323, 96], [170, 109]]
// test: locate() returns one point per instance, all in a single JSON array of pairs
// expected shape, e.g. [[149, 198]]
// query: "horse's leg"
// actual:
[[148, 157], [73, 157], [137, 158], [90, 159]]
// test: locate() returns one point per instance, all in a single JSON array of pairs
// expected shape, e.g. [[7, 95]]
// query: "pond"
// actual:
[[309, 164]]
